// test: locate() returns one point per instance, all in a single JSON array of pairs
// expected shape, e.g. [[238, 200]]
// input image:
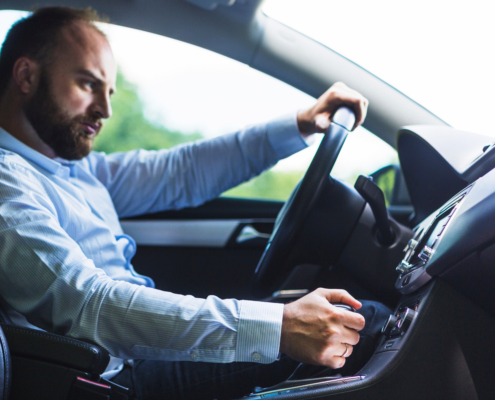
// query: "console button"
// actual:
[[390, 325], [404, 266], [389, 345], [405, 320], [426, 253]]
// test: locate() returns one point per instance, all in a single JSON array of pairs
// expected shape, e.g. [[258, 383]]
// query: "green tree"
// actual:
[[274, 185], [129, 129]]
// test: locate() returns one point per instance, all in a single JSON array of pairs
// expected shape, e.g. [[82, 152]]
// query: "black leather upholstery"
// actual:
[[5, 368], [56, 349], [46, 366]]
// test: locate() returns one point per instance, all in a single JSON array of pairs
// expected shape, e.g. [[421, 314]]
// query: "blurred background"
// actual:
[[439, 53]]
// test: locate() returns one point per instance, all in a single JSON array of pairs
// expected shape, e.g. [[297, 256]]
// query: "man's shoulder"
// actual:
[[18, 172], [10, 160]]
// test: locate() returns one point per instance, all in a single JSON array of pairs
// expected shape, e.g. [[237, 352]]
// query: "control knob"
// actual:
[[426, 253], [389, 325], [404, 265], [398, 325], [406, 318]]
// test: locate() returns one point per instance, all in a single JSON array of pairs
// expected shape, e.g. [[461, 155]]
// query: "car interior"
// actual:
[[426, 249]]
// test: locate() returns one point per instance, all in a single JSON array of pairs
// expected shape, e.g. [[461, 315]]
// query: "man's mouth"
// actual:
[[91, 128]]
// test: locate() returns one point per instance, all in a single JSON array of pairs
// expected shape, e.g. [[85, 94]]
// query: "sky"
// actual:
[[440, 53]]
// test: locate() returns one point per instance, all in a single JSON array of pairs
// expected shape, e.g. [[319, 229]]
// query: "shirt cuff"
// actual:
[[259, 331], [284, 136]]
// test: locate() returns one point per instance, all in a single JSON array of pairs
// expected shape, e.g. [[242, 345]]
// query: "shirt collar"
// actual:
[[9, 142]]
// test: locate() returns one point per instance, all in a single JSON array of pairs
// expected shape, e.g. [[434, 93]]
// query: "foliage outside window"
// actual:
[[227, 95], [129, 129]]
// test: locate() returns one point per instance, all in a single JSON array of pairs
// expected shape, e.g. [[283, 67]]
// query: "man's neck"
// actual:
[[13, 120]]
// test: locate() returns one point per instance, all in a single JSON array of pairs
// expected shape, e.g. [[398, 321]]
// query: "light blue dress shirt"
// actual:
[[65, 263]]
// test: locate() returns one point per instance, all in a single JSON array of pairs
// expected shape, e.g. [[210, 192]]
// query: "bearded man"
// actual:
[[65, 261]]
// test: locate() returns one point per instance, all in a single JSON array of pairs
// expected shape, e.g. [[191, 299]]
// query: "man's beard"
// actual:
[[66, 136]]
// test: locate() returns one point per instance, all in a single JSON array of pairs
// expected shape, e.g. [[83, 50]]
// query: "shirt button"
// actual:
[[256, 356], [194, 355]]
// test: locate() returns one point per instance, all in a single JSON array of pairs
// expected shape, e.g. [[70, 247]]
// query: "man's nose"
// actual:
[[102, 106]]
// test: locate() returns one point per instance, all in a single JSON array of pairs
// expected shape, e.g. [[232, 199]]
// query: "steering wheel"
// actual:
[[272, 269]]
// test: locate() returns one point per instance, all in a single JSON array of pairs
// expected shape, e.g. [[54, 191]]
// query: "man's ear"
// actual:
[[26, 74]]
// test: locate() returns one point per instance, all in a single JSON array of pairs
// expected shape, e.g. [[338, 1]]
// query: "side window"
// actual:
[[188, 93], [170, 92]]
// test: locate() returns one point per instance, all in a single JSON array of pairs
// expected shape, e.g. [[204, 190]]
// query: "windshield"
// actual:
[[439, 53]]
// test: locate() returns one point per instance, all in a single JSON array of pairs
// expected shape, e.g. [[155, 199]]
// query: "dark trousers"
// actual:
[[156, 379]]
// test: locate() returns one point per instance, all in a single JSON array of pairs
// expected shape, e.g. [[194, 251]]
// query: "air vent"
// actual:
[[425, 243]]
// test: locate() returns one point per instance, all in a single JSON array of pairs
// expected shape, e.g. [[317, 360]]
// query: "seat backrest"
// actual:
[[4, 318], [5, 368]]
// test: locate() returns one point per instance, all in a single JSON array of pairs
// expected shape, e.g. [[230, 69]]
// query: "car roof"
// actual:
[[239, 30]]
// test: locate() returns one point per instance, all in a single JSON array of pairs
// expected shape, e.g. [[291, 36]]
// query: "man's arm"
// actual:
[[46, 277], [141, 182], [188, 175]]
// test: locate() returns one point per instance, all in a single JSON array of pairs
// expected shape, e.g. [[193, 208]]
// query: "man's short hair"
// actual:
[[37, 35]]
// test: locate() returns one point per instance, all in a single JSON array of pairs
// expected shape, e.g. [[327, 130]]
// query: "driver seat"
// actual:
[[5, 368], [35, 364]]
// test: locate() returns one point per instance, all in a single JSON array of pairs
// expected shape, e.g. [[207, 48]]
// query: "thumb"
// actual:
[[322, 122]]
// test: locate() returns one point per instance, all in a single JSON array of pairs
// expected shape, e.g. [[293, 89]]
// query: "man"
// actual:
[[65, 262]]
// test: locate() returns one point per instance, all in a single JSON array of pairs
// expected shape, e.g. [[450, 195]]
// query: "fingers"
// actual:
[[350, 336], [361, 114], [322, 122], [340, 94], [316, 332], [352, 98], [351, 320], [355, 100], [336, 358], [317, 118], [338, 361], [340, 296], [347, 350]]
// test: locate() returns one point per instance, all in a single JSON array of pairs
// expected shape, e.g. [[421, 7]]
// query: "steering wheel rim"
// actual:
[[272, 269]]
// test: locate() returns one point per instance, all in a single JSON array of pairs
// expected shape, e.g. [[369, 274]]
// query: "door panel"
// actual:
[[211, 249]]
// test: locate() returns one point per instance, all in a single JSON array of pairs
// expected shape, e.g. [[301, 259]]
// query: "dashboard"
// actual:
[[456, 241], [435, 342]]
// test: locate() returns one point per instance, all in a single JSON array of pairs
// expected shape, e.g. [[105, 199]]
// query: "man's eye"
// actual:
[[89, 84]]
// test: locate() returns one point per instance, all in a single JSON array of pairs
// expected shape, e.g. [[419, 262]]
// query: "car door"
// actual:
[[190, 93], [211, 249], [214, 248]]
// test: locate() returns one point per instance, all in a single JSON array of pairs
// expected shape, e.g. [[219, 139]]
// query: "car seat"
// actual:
[[35, 364], [5, 368]]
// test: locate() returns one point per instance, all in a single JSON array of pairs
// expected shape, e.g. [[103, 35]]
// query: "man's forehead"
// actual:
[[81, 35], [85, 47]]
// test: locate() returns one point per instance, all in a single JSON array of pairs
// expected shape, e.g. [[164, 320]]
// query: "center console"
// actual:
[[395, 335], [419, 251], [437, 343]]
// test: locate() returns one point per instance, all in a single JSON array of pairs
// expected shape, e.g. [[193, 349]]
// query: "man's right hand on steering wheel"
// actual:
[[318, 117]]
